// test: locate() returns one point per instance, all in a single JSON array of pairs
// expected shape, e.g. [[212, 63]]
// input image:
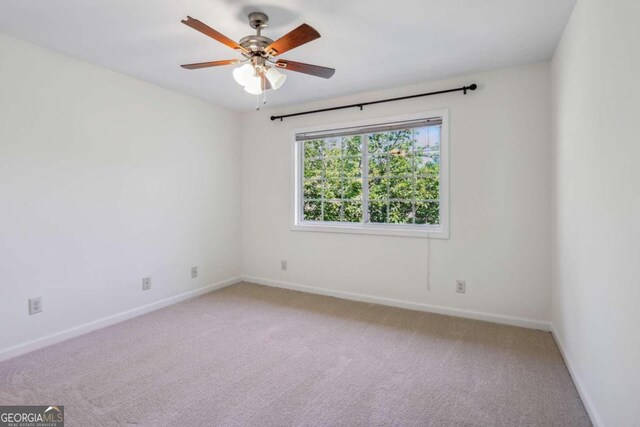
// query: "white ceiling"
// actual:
[[373, 44]]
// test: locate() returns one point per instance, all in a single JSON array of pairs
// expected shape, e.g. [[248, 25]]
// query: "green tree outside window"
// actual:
[[402, 177]]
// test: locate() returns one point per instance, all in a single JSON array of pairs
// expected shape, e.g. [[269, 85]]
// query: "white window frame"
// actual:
[[440, 231]]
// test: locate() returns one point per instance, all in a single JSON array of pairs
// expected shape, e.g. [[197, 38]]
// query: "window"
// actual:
[[387, 177]]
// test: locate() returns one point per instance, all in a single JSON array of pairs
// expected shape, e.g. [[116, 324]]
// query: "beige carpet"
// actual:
[[252, 355]]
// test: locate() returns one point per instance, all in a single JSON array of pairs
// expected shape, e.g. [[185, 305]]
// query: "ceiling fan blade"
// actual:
[[209, 64], [301, 67], [206, 30], [299, 36]]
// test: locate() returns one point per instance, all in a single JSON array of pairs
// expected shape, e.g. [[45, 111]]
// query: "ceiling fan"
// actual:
[[259, 71]]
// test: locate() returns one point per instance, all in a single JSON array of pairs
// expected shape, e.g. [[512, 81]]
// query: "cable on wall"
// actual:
[[429, 261], [361, 105]]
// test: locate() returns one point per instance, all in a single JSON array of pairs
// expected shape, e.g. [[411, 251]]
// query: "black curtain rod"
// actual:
[[360, 105]]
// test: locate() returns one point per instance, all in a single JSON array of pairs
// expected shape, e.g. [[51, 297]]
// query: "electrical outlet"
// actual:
[[283, 265], [146, 283], [35, 305], [461, 286], [194, 272]]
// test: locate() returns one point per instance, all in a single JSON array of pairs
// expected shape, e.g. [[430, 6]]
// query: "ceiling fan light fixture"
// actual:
[[254, 85], [243, 74], [275, 77]]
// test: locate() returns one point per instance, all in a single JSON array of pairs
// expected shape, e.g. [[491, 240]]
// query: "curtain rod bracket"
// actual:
[[471, 87]]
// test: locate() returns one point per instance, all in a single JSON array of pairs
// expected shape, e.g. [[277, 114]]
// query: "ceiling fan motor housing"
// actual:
[[255, 43]]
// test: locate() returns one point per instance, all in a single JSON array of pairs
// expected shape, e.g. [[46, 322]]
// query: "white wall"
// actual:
[[104, 180], [597, 206], [500, 204]]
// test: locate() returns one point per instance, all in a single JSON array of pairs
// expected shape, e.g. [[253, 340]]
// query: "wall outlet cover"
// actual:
[[461, 286], [35, 305], [194, 272], [146, 283]]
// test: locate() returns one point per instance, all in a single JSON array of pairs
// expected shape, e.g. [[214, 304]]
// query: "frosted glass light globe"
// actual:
[[275, 77], [254, 85], [243, 74]]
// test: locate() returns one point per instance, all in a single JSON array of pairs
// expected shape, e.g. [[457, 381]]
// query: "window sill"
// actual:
[[385, 230]]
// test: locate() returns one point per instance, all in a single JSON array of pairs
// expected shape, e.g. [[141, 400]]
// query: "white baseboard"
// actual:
[[469, 314], [582, 391], [109, 320]]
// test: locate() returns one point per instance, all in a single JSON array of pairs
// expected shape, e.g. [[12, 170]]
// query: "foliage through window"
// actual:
[[383, 174]]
